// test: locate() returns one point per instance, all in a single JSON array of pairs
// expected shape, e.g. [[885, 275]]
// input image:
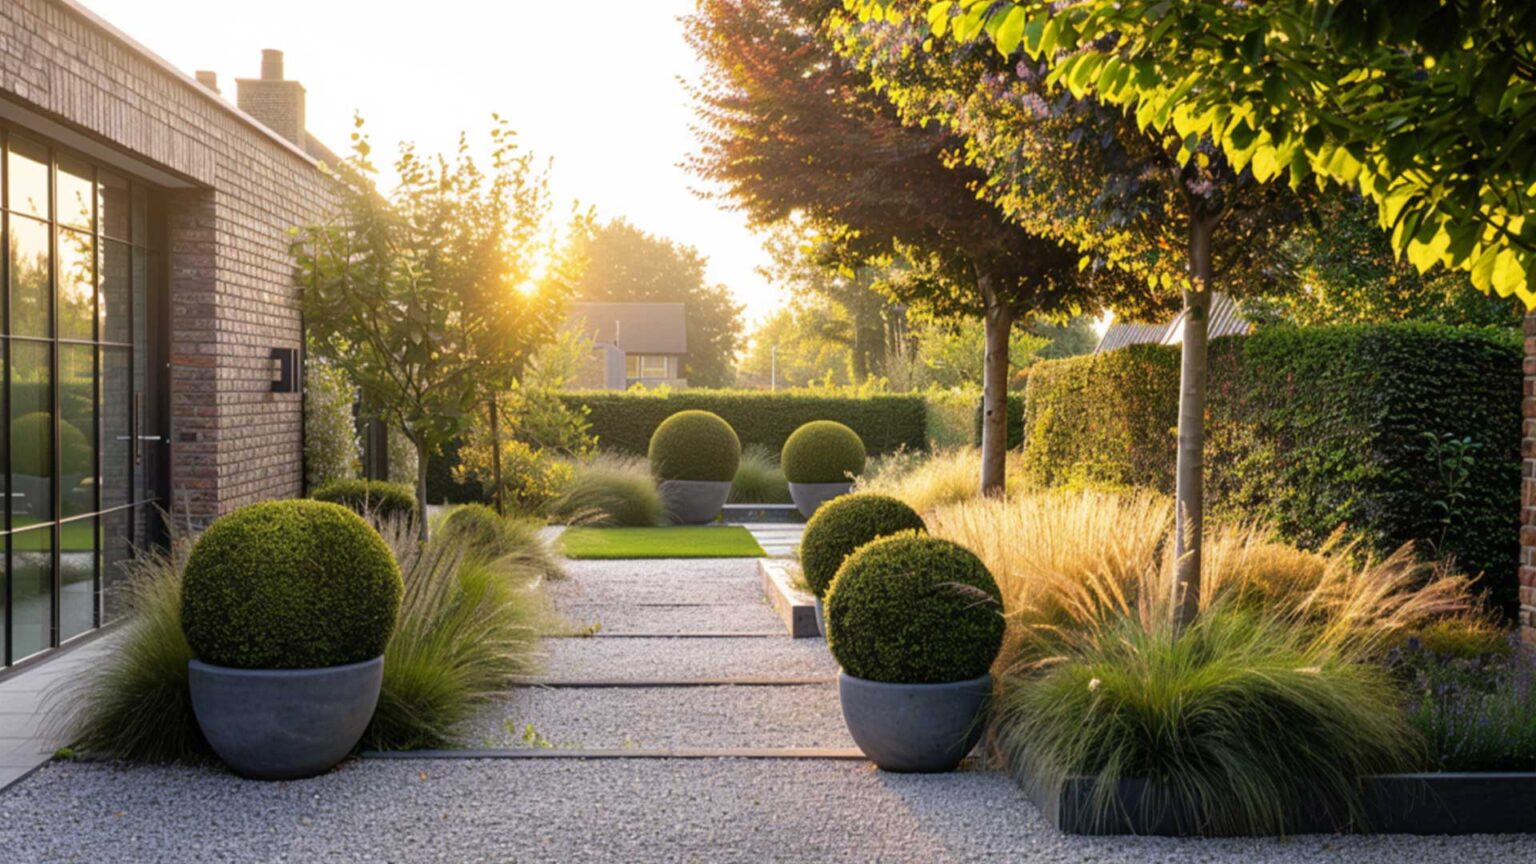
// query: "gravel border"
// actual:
[[682, 659]]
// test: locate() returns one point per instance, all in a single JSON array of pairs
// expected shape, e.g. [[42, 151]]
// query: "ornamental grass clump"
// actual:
[[911, 609], [610, 491], [844, 524], [492, 538], [758, 478], [823, 451], [695, 446], [928, 483], [375, 500]]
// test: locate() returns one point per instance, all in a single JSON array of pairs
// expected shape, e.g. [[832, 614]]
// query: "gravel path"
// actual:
[[755, 618], [630, 811], [646, 659], [626, 591], [803, 716]]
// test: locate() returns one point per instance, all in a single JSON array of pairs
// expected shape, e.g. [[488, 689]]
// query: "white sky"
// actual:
[[593, 85]]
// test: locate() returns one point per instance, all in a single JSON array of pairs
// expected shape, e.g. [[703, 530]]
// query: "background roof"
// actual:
[[637, 328]]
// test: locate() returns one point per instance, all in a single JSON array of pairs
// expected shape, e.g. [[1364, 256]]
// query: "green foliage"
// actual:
[[1474, 706], [371, 499], [624, 422], [759, 479], [332, 450], [289, 585], [1239, 719], [694, 445], [911, 609], [844, 524], [32, 444], [476, 527], [610, 490], [538, 434], [954, 418], [823, 451], [1311, 429]]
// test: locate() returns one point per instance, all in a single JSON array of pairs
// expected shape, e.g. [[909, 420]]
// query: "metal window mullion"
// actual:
[[5, 389], [54, 233]]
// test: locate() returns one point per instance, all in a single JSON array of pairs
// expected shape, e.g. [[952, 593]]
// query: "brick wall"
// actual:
[[1528, 492], [232, 293]]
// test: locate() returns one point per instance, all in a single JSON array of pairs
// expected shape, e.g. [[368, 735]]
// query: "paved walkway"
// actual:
[[26, 742], [616, 757]]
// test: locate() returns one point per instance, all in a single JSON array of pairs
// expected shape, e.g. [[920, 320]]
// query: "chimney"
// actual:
[[276, 103], [208, 79]]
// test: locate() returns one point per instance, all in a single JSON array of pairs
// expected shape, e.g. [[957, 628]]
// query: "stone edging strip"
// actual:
[[794, 607], [613, 683], [833, 753]]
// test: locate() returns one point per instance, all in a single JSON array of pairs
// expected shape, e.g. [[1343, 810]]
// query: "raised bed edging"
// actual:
[[1434, 803], [795, 608]]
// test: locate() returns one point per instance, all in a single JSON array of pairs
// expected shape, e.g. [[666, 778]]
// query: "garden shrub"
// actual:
[[844, 524], [823, 451], [695, 445], [289, 585], [759, 480], [911, 609], [31, 444], [624, 421], [374, 499], [1401, 432], [332, 449], [610, 490]]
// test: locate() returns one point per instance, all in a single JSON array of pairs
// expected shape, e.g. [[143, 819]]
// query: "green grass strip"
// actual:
[[726, 541]]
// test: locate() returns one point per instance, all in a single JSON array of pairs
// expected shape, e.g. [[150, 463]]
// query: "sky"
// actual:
[[593, 85]]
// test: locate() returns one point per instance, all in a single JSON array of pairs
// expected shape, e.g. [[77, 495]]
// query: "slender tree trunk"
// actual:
[[501, 507], [994, 399], [421, 488], [1189, 491]]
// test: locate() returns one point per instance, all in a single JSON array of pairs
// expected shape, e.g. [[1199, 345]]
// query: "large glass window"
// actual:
[[76, 286]]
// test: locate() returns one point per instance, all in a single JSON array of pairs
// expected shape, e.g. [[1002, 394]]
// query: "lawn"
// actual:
[[679, 542]]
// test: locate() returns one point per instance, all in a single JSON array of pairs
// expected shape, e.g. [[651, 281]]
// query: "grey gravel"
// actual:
[[802, 716], [629, 811], [631, 590], [721, 618], [682, 659]]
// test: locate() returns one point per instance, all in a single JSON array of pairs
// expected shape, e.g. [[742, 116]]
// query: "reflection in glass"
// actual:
[[75, 194], [31, 592], [30, 288], [27, 176], [116, 427], [77, 285], [31, 434], [116, 550], [116, 267], [77, 577], [113, 202], [77, 429]]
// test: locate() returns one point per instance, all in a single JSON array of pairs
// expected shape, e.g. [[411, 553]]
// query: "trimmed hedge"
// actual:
[[375, 499], [290, 585], [844, 524], [624, 422], [823, 451], [912, 609], [695, 445], [1310, 429]]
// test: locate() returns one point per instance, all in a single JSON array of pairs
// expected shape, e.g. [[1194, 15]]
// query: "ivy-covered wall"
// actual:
[[1399, 432]]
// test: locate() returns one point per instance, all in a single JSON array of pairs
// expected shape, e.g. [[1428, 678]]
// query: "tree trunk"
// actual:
[[1189, 491], [501, 507], [994, 399], [421, 488]]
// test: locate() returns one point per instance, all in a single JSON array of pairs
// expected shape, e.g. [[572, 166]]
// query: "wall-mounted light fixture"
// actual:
[[287, 380]]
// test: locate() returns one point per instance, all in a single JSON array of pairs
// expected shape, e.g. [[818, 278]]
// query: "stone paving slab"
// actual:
[[721, 811], [685, 658], [805, 716]]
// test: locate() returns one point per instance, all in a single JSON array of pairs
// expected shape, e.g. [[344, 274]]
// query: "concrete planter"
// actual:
[[284, 724], [1474, 803], [919, 728], [809, 497], [694, 502]]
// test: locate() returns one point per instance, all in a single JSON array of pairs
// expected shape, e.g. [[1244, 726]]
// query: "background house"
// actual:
[[634, 343], [1226, 320]]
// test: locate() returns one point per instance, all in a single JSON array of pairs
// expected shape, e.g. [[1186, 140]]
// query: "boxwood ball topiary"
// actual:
[[32, 445], [843, 525], [913, 609], [695, 445], [373, 498], [823, 451], [289, 585]]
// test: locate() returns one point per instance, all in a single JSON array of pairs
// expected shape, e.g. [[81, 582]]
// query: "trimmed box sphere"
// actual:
[[32, 444], [376, 499], [290, 585], [696, 446], [844, 524], [823, 451], [913, 609]]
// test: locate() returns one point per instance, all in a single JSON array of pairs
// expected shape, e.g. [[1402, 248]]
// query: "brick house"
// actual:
[[152, 315]]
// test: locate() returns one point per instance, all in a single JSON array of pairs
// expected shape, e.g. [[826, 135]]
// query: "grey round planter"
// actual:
[[694, 502], [284, 724], [918, 728], [809, 497]]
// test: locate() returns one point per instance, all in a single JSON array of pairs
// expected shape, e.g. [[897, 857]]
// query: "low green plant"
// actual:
[[758, 478], [912, 609], [695, 445], [468, 629], [610, 490], [1477, 711], [844, 524], [371, 499], [823, 451], [289, 585]]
